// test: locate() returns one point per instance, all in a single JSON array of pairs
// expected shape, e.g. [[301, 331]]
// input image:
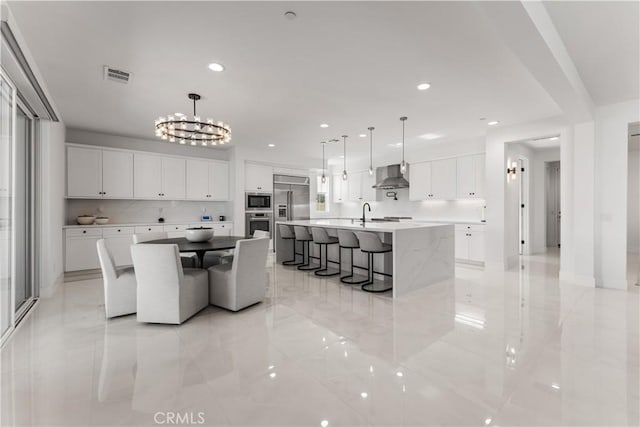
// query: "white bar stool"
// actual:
[[349, 240], [287, 233], [302, 235], [371, 244], [322, 238]]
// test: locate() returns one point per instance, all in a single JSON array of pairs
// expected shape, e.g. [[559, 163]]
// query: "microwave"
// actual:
[[257, 201]]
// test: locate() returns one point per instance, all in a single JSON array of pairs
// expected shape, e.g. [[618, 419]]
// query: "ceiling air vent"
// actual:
[[116, 75]]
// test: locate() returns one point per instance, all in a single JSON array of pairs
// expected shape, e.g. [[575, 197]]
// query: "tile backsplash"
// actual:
[[146, 211]]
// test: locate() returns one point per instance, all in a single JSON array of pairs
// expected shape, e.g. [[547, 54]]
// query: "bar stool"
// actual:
[[348, 240], [322, 238], [286, 233], [371, 244], [302, 235]]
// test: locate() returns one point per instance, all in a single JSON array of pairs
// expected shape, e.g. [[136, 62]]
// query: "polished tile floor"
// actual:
[[508, 348]]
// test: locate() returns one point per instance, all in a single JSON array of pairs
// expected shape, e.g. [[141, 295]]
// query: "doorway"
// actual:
[[633, 205], [552, 204]]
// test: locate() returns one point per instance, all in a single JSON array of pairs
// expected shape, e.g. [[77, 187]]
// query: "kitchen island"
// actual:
[[423, 253]]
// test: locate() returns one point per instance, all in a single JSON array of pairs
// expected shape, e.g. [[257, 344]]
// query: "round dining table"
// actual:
[[218, 243]]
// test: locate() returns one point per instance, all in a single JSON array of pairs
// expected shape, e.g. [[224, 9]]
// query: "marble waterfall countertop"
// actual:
[[350, 224]]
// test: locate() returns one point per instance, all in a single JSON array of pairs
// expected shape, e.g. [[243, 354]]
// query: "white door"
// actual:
[[462, 244], [258, 178], [147, 176], [443, 179], [420, 181], [476, 246], [173, 178], [219, 181], [197, 180], [552, 189], [117, 175], [84, 172], [466, 177], [354, 184], [479, 175]]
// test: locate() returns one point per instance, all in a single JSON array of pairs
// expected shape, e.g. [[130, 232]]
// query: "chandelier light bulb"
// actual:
[[344, 175], [403, 167], [370, 171], [324, 178]]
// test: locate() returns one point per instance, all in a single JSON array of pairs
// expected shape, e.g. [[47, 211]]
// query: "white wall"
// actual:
[[81, 136], [611, 128], [633, 203], [51, 215]]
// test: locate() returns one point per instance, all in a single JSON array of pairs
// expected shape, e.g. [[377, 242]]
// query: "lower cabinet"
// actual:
[[80, 243], [81, 251], [469, 241]]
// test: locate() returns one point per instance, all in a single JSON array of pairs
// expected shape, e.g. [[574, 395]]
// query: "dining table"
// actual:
[[217, 243]]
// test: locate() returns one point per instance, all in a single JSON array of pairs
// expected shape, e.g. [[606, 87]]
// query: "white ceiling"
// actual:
[[543, 143], [602, 38], [349, 64]]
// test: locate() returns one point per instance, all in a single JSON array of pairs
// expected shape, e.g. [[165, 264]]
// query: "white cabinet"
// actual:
[[469, 241], [84, 172], [119, 240], [99, 174], [207, 180], [359, 187], [197, 180], [420, 181], [471, 171], [223, 229], [258, 178], [80, 249], [117, 174], [443, 179], [339, 189], [157, 177]]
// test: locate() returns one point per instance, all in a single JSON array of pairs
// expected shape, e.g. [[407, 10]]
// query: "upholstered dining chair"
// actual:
[[242, 283], [188, 259], [119, 284], [167, 293]]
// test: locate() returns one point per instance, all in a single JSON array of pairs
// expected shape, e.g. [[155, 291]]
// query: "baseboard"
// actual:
[[48, 291]]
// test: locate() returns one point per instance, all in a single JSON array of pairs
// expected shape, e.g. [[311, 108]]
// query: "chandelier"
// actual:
[[179, 127]]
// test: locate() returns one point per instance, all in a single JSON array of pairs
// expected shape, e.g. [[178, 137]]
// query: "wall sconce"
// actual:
[[511, 171]]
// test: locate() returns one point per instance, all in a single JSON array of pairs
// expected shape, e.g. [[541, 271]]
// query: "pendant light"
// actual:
[[371, 150], [403, 165], [324, 177], [344, 171]]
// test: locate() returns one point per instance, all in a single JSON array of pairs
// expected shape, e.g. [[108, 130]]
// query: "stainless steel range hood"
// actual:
[[390, 178]]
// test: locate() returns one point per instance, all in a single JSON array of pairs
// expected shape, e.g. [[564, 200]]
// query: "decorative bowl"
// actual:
[[85, 220], [199, 234], [102, 220]]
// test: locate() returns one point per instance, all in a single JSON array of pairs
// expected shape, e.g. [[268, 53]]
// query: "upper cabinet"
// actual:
[[258, 178], [448, 179], [360, 187], [157, 177], [471, 176], [99, 174], [339, 189], [207, 180]]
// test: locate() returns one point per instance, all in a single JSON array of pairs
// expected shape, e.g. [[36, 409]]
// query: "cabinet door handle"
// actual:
[[118, 231], [149, 229], [84, 231]]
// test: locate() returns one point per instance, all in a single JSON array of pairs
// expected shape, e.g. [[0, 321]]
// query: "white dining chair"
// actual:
[[188, 259], [167, 293], [242, 283], [227, 258], [119, 284]]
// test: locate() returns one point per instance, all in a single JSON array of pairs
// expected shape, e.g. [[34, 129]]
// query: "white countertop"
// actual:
[[134, 224], [347, 224]]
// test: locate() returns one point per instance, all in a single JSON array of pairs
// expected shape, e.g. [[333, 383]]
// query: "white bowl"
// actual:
[[102, 221], [85, 220], [199, 234]]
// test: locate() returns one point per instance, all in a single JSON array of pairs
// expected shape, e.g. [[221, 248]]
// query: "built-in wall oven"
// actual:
[[257, 201], [258, 221]]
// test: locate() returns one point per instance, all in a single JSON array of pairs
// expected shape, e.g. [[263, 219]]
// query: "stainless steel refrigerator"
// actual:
[[291, 198]]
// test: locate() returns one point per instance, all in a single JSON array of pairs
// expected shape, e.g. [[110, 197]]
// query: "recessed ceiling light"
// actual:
[[341, 156], [290, 15], [493, 122], [424, 86], [324, 125], [214, 66], [271, 145], [179, 115], [553, 138], [363, 135]]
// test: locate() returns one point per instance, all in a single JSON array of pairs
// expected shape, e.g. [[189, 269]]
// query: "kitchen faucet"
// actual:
[[364, 219]]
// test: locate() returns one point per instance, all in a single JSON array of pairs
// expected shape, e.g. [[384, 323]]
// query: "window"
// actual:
[[322, 195]]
